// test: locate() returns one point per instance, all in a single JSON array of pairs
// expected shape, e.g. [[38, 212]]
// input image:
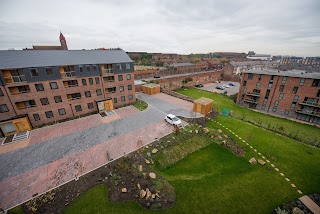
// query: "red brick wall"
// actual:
[[5, 100]]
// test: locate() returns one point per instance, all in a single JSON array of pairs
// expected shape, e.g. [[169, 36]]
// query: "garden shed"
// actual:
[[202, 105], [151, 88]]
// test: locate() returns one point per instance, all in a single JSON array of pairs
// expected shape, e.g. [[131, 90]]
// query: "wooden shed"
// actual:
[[151, 88], [202, 105]]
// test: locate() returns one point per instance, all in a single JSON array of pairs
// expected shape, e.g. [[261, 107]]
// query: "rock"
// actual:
[[190, 131], [138, 185], [152, 162], [219, 131], [206, 130], [147, 161], [142, 193], [159, 205], [147, 147], [148, 204], [148, 154], [154, 151], [253, 161], [219, 137], [157, 195], [223, 142], [140, 168], [296, 210], [196, 131], [153, 196], [144, 175], [261, 162], [168, 141], [151, 200], [152, 175], [226, 136], [148, 194], [124, 190]]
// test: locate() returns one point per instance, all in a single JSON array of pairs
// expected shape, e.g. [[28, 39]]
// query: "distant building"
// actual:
[[63, 45], [260, 57], [236, 68], [292, 94], [228, 55], [313, 61], [291, 59]]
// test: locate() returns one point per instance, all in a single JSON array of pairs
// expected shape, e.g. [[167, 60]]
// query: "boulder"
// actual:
[[219, 131], [124, 190], [196, 131], [148, 194], [296, 210], [138, 185], [253, 161], [261, 162], [152, 175], [142, 193], [153, 196], [190, 131], [147, 161], [206, 130], [140, 168], [154, 151]]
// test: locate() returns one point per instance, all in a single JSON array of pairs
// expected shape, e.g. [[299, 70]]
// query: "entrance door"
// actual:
[[108, 105], [20, 127], [101, 106]]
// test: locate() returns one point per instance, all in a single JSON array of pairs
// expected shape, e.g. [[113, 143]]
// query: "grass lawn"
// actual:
[[303, 131], [141, 105]]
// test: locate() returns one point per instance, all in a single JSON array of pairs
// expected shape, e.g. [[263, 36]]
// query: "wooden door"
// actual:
[[20, 127]]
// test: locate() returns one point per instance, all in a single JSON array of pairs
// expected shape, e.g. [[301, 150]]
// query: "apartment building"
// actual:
[[292, 93], [53, 85], [313, 61], [236, 68]]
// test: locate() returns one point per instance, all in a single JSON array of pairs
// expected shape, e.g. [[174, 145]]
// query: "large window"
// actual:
[[3, 108], [84, 82], [97, 80], [121, 88], [130, 97], [39, 87], [34, 72], [281, 88], [120, 77], [129, 87], [128, 76], [87, 93], [258, 85], [280, 96], [78, 108], [49, 71], [90, 81], [44, 101], [99, 92], [62, 111], [316, 83], [115, 100], [250, 76], [119, 67], [284, 80], [244, 83], [57, 99], [49, 114], [123, 98], [295, 89], [127, 66], [302, 80], [90, 105], [53, 85], [36, 117]]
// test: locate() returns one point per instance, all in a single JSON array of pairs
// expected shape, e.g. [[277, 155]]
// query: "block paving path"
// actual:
[[62, 155]]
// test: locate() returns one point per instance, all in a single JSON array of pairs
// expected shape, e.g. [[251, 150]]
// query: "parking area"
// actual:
[[49, 162], [230, 91]]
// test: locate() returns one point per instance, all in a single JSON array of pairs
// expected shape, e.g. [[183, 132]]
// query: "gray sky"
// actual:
[[276, 26]]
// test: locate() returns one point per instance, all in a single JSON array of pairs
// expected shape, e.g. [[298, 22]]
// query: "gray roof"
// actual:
[[260, 55], [41, 58], [181, 64], [291, 73], [245, 63]]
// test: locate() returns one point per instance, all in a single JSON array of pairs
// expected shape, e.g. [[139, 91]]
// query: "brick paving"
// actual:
[[45, 165]]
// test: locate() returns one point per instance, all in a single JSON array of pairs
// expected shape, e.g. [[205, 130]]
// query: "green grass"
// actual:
[[140, 104], [306, 133], [16, 210]]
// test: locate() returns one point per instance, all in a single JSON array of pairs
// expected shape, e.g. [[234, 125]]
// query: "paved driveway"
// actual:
[[45, 165], [230, 91]]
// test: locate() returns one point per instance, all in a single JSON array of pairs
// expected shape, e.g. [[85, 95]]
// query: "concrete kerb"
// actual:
[[77, 177]]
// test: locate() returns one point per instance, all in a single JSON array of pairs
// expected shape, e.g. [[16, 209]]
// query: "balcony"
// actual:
[[312, 113], [253, 94], [26, 104], [108, 72], [15, 79], [108, 79], [19, 90], [68, 74], [250, 101], [306, 103], [74, 96]]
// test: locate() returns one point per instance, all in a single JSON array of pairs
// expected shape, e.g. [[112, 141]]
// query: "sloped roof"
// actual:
[[291, 73], [181, 64], [253, 63], [41, 58]]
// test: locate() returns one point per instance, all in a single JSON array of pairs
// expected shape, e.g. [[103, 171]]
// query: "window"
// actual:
[[295, 89], [115, 100], [36, 117], [272, 78], [318, 94], [49, 71], [53, 85], [293, 105], [127, 66], [68, 68], [296, 98], [57, 99], [88, 68], [1, 93], [316, 83], [90, 81], [99, 92], [94, 68], [286, 112], [284, 80], [302, 80], [259, 76], [44, 101], [276, 103], [280, 96], [39, 87], [128, 76], [258, 85], [281, 88], [80, 68], [90, 105], [119, 67], [250, 76], [49, 114], [121, 88], [78, 108], [62, 111], [3, 108], [269, 85], [97, 80], [87, 93], [34, 72], [129, 87], [244, 83], [274, 109], [123, 98], [120, 77], [130, 97], [84, 82], [265, 101]]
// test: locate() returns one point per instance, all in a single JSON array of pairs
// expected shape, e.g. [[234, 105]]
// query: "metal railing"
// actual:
[[108, 71], [74, 98], [68, 74], [67, 86], [24, 107], [253, 94], [313, 113], [15, 79], [250, 101], [20, 92], [309, 103]]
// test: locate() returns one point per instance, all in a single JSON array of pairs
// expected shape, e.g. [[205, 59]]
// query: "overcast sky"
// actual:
[[287, 27]]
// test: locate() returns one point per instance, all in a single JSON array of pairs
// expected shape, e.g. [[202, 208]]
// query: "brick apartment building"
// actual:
[[52, 85], [292, 94]]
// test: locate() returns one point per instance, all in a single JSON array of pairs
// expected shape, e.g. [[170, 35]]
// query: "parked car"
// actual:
[[232, 84], [219, 87], [156, 76], [225, 85], [170, 118], [199, 85]]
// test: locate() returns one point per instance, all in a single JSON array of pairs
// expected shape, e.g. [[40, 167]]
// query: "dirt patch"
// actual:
[[202, 120]]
